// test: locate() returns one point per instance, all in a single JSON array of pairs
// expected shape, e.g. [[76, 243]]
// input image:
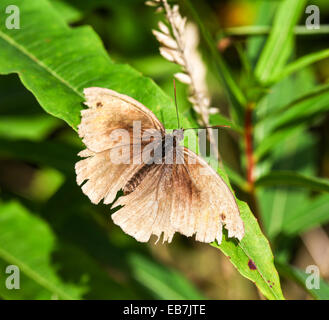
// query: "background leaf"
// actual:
[[278, 45], [293, 179], [33, 257], [300, 277], [310, 215], [163, 284]]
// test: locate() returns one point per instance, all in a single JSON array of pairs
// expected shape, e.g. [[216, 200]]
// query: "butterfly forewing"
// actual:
[[111, 162], [110, 112]]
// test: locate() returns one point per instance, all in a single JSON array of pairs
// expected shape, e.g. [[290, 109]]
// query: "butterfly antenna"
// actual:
[[223, 126], [176, 104]]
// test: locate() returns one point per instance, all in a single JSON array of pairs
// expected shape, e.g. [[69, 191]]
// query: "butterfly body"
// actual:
[[171, 190], [163, 153], [136, 179]]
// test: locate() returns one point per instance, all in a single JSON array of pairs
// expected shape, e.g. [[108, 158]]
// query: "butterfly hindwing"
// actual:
[[146, 211], [213, 203], [185, 198]]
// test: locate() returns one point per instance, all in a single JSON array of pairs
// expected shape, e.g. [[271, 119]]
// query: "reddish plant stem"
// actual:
[[248, 130], [248, 135]]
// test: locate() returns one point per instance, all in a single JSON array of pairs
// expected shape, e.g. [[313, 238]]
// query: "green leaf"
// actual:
[[283, 93], [271, 141], [290, 178], [301, 63], [163, 283], [278, 202], [277, 49], [27, 127], [275, 108], [68, 12], [32, 256], [218, 119], [58, 63], [264, 18], [252, 256], [300, 277], [45, 182], [300, 111], [310, 215], [101, 284], [236, 178]]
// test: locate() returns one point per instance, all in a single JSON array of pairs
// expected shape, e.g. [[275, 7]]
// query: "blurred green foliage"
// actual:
[[68, 248]]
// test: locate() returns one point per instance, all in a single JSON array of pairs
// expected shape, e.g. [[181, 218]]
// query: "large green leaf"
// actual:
[[27, 242], [56, 62], [288, 148]]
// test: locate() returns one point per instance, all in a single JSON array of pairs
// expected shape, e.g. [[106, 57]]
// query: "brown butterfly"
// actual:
[[159, 197]]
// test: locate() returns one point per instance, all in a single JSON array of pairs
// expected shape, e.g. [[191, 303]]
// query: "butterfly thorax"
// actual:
[[178, 135]]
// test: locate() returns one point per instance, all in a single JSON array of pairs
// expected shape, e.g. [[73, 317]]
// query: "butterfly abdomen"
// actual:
[[165, 146], [136, 179]]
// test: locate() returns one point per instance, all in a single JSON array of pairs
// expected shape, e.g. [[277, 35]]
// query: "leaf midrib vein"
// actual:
[[38, 62], [260, 273], [33, 275]]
